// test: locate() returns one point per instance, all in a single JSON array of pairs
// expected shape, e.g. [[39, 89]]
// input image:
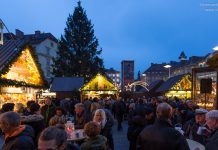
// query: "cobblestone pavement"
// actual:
[[120, 138]]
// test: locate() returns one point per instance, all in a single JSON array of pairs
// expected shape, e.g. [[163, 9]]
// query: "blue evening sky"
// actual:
[[142, 30]]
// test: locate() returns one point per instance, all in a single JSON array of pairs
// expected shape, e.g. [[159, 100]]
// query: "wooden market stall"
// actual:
[[208, 99], [177, 86], [20, 73], [99, 87]]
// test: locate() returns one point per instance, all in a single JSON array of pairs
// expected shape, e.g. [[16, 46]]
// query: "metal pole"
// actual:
[[205, 100]]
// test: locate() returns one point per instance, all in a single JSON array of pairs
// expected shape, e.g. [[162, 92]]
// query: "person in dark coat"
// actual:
[[136, 125], [119, 110], [192, 126], [81, 118], [161, 135], [17, 137], [48, 110], [35, 120], [212, 123], [106, 124]]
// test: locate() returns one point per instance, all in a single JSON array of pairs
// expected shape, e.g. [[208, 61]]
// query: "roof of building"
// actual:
[[9, 50], [182, 56], [112, 70], [66, 84], [166, 86], [157, 68], [36, 38], [154, 85]]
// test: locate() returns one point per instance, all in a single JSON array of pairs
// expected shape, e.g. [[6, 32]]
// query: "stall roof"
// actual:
[[99, 83], [166, 86], [66, 84], [10, 53], [154, 85]]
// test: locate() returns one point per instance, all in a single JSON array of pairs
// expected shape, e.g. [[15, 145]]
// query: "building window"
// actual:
[[52, 44], [47, 51]]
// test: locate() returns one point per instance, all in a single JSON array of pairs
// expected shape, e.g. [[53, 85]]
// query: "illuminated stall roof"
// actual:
[[99, 83], [19, 65], [177, 83]]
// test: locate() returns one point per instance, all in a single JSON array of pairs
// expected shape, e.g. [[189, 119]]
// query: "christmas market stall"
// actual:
[[20, 73], [177, 86], [66, 87], [99, 87], [205, 83]]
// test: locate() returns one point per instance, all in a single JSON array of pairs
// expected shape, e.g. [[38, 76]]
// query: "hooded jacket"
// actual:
[[21, 139], [96, 143], [36, 122]]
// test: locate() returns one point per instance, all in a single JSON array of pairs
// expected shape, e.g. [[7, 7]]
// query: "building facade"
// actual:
[[155, 72], [114, 75], [127, 72], [183, 66], [44, 44]]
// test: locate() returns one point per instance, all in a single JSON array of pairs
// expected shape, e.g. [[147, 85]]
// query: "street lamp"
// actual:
[[168, 67], [215, 48]]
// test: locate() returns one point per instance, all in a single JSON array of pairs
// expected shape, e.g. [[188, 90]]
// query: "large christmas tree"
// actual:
[[78, 53]]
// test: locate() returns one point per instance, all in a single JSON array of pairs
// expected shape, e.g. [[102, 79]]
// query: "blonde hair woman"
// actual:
[[100, 117], [106, 126]]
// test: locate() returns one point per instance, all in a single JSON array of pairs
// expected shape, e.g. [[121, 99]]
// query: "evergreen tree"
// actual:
[[78, 49]]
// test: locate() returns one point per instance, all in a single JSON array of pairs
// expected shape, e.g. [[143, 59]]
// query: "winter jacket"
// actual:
[[136, 125], [81, 120], [96, 143], [191, 128], [161, 136], [21, 139], [212, 142], [36, 122], [48, 112], [107, 132]]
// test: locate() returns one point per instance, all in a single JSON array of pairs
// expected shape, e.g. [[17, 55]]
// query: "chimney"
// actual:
[[37, 32], [19, 34]]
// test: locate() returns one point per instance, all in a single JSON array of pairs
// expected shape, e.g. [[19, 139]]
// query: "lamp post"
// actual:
[[168, 67]]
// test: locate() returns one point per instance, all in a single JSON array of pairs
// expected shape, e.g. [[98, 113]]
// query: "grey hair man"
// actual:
[[212, 123], [161, 135], [17, 136], [54, 138]]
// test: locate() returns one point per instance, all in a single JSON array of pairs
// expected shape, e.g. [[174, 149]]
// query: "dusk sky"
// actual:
[[142, 30]]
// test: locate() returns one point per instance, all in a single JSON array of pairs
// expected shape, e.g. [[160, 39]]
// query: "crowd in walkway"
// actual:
[[153, 124]]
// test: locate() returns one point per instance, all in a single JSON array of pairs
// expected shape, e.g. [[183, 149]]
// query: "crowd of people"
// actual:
[[156, 124], [153, 124]]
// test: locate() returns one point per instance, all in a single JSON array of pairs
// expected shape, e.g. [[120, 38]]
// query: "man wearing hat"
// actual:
[[193, 127], [212, 123]]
